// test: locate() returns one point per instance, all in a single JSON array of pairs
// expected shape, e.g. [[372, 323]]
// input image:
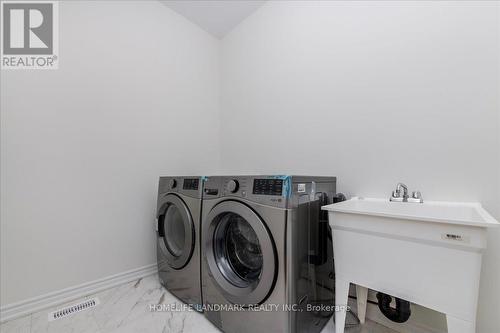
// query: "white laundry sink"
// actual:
[[428, 254], [471, 214]]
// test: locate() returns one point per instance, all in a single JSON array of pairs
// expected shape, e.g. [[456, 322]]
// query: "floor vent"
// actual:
[[69, 310]]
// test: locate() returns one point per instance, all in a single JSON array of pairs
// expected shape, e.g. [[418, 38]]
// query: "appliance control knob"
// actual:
[[233, 186], [173, 183]]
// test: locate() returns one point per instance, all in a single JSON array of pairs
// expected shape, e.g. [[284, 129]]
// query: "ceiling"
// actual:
[[217, 17]]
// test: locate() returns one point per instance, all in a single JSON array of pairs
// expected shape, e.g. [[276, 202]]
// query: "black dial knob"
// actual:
[[233, 186], [173, 183]]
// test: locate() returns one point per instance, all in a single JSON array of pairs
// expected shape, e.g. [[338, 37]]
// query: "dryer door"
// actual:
[[176, 232], [240, 253]]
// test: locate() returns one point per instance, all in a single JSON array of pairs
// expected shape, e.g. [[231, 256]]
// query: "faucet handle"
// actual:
[[416, 196]]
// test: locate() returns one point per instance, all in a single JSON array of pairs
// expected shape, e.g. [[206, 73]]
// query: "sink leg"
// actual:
[[456, 325], [341, 296], [362, 297]]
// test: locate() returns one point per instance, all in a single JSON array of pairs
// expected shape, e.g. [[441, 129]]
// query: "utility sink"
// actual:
[[471, 214], [426, 253]]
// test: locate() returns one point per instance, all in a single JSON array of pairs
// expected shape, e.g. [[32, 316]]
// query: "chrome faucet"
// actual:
[[401, 195], [398, 196]]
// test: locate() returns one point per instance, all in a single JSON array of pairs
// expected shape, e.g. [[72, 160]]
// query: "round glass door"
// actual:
[[237, 250], [176, 232], [240, 253]]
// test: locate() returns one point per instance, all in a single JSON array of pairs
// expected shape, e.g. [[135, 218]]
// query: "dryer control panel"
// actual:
[[190, 183]]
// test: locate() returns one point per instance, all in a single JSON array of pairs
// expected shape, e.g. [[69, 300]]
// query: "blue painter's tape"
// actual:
[[287, 185]]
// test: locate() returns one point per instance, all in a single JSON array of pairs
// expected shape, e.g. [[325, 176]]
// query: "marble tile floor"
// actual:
[[126, 309]]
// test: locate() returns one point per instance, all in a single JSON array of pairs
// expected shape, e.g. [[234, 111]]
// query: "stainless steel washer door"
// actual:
[[240, 253], [176, 232]]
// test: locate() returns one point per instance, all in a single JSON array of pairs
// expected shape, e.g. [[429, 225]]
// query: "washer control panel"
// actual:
[[268, 186]]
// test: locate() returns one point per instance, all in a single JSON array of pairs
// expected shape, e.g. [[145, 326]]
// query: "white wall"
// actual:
[[373, 93], [136, 96]]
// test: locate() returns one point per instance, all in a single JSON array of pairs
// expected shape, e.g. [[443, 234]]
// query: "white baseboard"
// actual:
[[35, 304]]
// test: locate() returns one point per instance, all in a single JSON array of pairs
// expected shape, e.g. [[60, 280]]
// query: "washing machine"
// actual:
[[178, 237], [267, 255]]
